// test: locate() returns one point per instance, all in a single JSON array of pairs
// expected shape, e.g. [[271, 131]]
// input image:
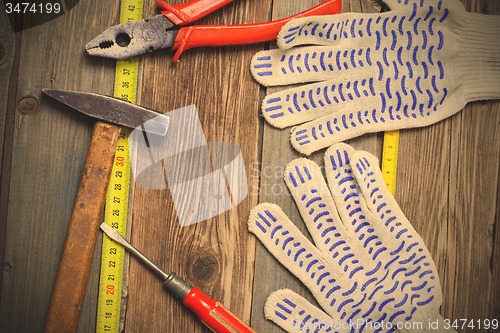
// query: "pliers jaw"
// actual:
[[133, 38]]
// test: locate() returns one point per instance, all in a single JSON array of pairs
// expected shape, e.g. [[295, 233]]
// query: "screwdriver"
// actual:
[[213, 314]]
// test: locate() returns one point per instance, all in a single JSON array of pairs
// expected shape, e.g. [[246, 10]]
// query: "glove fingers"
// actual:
[[293, 313], [329, 281], [379, 200], [404, 246], [347, 107], [322, 30], [399, 4], [340, 126], [317, 208], [319, 63], [394, 76], [305, 103], [388, 239], [295, 252], [364, 203], [286, 243], [278, 67], [355, 29], [350, 201], [343, 185], [392, 101]]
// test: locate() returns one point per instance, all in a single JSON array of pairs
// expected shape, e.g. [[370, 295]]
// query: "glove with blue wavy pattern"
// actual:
[[410, 67], [368, 268]]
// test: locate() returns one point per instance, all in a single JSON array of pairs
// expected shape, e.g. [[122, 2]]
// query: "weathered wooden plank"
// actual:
[[472, 207], [49, 148], [7, 46], [216, 255], [7, 65]]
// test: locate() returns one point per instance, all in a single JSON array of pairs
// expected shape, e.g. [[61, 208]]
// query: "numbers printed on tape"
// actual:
[[110, 287], [126, 79], [390, 159], [115, 215]]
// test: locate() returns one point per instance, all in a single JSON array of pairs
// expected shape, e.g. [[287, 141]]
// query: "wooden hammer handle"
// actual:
[[71, 280]]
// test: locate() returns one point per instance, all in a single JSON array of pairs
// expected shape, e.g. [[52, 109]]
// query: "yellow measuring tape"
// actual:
[[390, 159], [115, 214]]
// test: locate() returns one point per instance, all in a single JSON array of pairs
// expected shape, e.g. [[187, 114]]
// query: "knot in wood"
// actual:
[[28, 105], [205, 268], [7, 267]]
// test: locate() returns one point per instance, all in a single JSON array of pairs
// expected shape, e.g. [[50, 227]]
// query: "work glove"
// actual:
[[409, 67], [368, 268]]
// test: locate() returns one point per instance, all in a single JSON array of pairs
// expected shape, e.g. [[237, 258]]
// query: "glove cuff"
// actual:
[[479, 57]]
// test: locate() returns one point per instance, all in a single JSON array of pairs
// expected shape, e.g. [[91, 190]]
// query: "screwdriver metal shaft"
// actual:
[[213, 314], [115, 235]]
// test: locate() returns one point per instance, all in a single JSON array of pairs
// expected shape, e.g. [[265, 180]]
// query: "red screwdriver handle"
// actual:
[[222, 35], [214, 315], [190, 11]]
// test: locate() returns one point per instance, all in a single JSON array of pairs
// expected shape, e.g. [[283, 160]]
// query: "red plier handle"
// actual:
[[212, 35], [190, 11]]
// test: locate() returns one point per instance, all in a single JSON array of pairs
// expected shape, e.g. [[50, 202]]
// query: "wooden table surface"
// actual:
[[448, 177]]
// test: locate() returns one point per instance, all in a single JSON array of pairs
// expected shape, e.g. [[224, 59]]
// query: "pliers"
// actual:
[[162, 31]]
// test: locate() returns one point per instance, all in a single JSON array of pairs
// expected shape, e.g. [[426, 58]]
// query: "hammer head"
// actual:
[[113, 110]]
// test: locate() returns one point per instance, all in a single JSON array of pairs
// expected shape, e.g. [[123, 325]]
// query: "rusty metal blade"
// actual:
[[113, 110]]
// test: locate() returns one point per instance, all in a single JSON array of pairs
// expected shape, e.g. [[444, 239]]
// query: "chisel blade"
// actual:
[[113, 110]]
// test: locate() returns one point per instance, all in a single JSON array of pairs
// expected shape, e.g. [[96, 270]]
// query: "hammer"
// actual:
[[69, 288]]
